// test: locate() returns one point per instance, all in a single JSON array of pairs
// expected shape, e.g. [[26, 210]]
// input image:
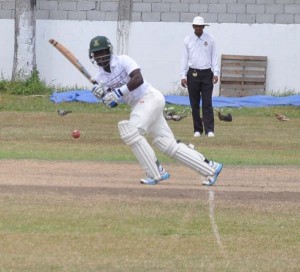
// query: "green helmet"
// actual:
[[99, 43]]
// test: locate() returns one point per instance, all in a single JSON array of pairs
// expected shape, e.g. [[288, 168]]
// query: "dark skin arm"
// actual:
[[136, 80]]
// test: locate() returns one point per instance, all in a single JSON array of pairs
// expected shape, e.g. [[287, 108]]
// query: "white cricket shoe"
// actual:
[[211, 180], [210, 134], [197, 134], [152, 181]]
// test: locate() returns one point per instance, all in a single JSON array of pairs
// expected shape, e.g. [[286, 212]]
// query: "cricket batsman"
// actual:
[[119, 78]]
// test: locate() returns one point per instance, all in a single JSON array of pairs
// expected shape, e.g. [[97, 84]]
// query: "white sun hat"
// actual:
[[199, 21]]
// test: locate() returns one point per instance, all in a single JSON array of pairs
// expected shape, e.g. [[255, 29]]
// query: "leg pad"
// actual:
[[185, 155], [140, 147]]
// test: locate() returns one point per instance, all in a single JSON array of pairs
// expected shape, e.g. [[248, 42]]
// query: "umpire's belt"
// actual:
[[200, 70]]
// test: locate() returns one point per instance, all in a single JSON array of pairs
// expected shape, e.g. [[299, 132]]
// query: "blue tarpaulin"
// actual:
[[239, 102], [74, 96], [218, 101]]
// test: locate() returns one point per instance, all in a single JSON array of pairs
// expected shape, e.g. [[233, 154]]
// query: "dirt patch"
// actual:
[[244, 184]]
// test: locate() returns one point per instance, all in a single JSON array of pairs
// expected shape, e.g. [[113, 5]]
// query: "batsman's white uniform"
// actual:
[[146, 117]]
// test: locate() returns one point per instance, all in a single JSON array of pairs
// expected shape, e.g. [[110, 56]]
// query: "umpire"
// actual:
[[199, 73]]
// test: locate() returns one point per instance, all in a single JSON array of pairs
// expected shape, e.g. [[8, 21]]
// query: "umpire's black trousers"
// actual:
[[200, 86]]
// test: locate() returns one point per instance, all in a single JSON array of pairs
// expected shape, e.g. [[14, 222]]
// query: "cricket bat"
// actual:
[[70, 56]]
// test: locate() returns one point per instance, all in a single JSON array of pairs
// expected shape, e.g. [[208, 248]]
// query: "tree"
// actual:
[[24, 51]]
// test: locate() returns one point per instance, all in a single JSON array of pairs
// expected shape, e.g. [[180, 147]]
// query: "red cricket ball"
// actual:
[[76, 133]]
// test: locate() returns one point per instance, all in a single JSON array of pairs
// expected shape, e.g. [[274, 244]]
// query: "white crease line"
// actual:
[[211, 197]]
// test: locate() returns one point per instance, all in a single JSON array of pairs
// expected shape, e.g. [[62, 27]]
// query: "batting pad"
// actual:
[[184, 154], [140, 147]]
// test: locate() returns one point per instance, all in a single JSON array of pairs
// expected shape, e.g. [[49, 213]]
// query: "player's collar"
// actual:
[[195, 37], [113, 61]]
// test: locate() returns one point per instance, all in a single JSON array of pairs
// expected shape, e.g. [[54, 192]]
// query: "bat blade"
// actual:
[[71, 57]]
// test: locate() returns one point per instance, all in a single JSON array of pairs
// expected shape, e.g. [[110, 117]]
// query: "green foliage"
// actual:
[[3, 86], [281, 93], [31, 86]]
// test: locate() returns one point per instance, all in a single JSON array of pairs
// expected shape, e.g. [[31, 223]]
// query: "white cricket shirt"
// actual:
[[199, 53], [121, 66]]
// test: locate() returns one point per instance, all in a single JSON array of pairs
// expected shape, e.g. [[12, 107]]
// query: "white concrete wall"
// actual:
[[6, 47], [157, 47]]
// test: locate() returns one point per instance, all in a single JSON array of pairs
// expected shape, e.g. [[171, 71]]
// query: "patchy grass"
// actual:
[[44, 231], [95, 234], [31, 128]]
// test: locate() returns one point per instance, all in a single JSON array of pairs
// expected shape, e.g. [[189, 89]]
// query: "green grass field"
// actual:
[[32, 129], [146, 228]]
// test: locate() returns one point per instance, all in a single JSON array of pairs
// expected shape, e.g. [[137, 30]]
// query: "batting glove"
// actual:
[[99, 91], [112, 98]]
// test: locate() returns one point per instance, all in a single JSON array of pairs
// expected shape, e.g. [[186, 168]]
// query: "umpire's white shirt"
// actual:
[[199, 53], [121, 66]]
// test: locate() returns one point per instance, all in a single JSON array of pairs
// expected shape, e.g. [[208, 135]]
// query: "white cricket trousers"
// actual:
[[147, 115]]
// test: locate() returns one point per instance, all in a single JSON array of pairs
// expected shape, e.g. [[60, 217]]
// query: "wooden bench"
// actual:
[[243, 75]]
